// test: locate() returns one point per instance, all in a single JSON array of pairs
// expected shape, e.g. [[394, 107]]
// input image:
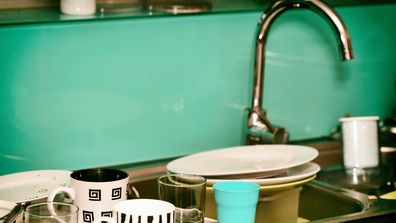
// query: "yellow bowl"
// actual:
[[269, 189]]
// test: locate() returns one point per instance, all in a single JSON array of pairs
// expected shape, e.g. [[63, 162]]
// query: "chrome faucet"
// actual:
[[260, 130]]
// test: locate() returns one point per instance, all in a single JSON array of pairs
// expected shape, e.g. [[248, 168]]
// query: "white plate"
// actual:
[[209, 220], [243, 160], [293, 174], [6, 207], [31, 185], [258, 175]]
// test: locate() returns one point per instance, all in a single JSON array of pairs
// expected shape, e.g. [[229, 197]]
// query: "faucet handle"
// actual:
[[261, 131], [280, 136]]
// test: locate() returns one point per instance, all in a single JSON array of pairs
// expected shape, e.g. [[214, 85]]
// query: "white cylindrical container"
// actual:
[[78, 7], [360, 141]]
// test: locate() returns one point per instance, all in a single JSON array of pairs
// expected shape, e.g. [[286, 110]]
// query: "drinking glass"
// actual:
[[51, 212], [187, 193]]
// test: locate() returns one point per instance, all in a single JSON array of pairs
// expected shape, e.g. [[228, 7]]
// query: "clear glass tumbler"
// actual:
[[51, 212], [187, 193]]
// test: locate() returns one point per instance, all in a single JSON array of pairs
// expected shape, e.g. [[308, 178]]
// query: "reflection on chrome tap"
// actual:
[[260, 130]]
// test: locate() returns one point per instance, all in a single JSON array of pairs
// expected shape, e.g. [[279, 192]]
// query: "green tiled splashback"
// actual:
[[96, 93]]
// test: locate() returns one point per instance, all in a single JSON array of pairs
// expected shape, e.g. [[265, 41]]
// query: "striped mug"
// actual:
[[142, 211]]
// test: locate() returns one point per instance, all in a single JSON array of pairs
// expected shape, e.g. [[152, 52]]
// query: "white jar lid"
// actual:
[[363, 118]]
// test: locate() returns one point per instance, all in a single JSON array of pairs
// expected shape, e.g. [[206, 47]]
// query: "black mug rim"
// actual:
[[99, 175]]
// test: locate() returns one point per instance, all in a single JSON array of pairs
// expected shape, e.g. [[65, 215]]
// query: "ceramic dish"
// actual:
[[5, 208], [243, 160], [27, 186], [10, 212], [292, 174], [210, 220], [258, 175], [268, 189]]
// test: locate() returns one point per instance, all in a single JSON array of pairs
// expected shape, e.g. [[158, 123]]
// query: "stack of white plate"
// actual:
[[280, 170], [26, 188], [263, 164]]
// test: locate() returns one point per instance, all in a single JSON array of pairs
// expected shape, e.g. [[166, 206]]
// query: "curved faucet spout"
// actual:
[[257, 119]]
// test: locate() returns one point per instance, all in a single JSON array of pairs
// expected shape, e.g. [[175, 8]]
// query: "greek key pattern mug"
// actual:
[[95, 191]]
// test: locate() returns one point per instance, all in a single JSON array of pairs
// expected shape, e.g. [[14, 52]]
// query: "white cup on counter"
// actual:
[[95, 191], [360, 141], [78, 7]]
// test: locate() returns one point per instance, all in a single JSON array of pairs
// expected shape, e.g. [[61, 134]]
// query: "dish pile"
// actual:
[[31, 186], [280, 170], [18, 190]]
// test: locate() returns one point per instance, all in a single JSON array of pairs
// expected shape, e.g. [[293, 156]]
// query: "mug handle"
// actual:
[[52, 195], [132, 192], [51, 209], [106, 219], [57, 190]]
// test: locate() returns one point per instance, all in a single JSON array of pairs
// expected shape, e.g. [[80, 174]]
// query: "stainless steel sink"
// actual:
[[319, 201]]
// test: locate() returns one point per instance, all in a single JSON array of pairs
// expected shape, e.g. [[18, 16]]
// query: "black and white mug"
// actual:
[[95, 191], [141, 211]]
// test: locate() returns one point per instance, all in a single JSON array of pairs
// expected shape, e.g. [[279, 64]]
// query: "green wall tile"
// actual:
[[96, 93]]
